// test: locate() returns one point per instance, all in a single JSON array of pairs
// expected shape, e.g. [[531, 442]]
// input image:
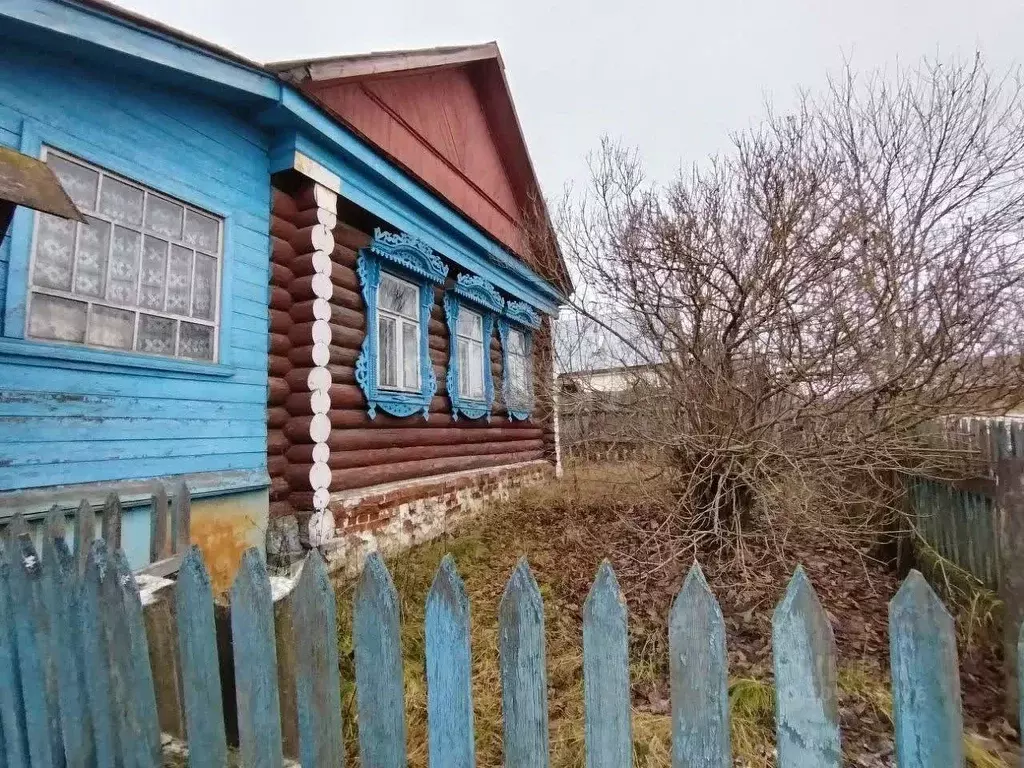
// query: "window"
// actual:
[[398, 276], [398, 334], [471, 307], [142, 274], [517, 325], [518, 370], [470, 346]]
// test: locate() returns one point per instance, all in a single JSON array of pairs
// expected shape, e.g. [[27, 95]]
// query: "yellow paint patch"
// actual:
[[224, 528]]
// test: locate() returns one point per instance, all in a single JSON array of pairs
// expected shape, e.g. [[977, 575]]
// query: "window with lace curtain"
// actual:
[[142, 274]]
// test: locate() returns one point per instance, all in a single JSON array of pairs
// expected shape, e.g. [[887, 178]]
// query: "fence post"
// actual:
[[379, 676], [524, 685], [449, 691], [181, 521], [110, 525], [806, 703], [925, 679], [699, 674], [1010, 500], [608, 729]]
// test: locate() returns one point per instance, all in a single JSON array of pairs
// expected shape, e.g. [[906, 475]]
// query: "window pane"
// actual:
[[122, 282], [109, 327], [156, 335], [78, 181], [475, 372], [55, 252], [121, 202], [387, 366], [202, 232], [137, 249], [163, 216], [55, 318], [93, 245], [519, 380], [179, 280], [204, 291], [463, 353], [196, 341], [154, 272], [397, 296], [470, 324], [411, 355], [516, 343]]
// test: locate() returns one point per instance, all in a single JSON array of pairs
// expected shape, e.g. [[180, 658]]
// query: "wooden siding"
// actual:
[[365, 451], [66, 421], [434, 124]]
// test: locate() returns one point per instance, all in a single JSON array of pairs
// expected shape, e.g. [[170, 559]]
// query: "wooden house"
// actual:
[[306, 289]]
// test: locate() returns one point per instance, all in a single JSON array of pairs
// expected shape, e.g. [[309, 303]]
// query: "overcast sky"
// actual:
[[673, 78]]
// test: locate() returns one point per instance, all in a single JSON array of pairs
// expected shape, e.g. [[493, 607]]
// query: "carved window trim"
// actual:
[[410, 259], [479, 296]]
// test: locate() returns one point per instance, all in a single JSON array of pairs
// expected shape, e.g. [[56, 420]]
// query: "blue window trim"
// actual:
[[34, 135], [409, 259], [476, 294], [521, 317]]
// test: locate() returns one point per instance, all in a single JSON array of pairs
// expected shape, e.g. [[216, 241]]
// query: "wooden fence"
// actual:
[[961, 519], [76, 687], [170, 527]]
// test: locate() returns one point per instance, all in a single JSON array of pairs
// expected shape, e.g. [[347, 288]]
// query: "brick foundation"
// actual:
[[395, 516]]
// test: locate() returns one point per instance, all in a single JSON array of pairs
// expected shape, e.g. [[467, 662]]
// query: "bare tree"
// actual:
[[807, 302]]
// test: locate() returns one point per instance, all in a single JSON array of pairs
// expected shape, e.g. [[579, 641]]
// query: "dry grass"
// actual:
[[539, 524]]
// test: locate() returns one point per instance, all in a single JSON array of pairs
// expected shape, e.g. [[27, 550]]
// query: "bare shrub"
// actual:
[[806, 302]]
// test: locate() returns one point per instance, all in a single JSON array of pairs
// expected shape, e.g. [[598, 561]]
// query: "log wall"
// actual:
[[358, 451]]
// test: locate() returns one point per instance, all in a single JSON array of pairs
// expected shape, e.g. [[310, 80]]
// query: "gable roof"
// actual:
[[485, 65], [90, 28]]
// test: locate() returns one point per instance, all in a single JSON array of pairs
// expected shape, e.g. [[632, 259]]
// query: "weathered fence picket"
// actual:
[[32, 627], [699, 675], [158, 516], [317, 685], [200, 671], [379, 675], [252, 632], [95, 655], [925, 678], [806, 696], [608, 731], [76, 687], [61, 596], [12, 709], [524, 682], [84, 533], [449, 691]]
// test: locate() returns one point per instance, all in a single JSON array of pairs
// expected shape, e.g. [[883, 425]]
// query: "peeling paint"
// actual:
[[224, 528]]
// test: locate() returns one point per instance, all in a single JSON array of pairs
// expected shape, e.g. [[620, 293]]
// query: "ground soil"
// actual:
[[566, 529]]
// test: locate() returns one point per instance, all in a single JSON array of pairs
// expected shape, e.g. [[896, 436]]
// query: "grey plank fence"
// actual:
[[961, 519], [76, 688]]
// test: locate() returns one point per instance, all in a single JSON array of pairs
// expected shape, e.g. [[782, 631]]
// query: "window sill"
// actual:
[[84, 358]]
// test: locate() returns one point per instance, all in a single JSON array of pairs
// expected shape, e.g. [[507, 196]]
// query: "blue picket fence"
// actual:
[[76, 687]]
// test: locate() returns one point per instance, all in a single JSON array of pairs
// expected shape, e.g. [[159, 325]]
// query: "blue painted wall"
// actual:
[[72, 415]]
